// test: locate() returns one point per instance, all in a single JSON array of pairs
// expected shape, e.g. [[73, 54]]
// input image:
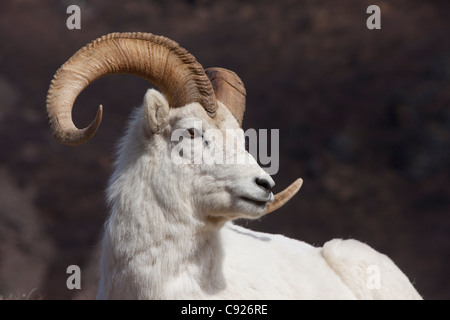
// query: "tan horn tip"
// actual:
[[284, 196], [78, 137]]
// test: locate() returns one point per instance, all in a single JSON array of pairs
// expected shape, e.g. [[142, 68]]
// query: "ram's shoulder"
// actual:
[[368, 273]]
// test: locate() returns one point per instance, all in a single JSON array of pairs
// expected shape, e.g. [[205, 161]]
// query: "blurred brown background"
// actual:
[[363, 115]]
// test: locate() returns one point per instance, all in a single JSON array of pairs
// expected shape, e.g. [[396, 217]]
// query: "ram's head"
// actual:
[[214, 98]]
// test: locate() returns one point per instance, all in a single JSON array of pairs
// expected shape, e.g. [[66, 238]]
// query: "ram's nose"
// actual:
[[265, 182]]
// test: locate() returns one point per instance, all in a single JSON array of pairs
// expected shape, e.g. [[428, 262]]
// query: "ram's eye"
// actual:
[[193, 133]]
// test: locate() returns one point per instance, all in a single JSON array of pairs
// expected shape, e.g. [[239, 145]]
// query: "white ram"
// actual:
[[170, 233]]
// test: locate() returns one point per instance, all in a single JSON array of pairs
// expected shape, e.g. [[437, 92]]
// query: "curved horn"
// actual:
[[229, 90], [284, 196], [155, 58]]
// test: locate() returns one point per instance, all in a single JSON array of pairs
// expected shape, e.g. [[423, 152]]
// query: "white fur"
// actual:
[[170, 236]]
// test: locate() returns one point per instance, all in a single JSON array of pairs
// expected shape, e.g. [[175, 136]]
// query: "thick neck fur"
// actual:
[[154, 245]]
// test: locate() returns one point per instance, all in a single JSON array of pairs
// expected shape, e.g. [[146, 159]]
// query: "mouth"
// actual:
[[258, 202]]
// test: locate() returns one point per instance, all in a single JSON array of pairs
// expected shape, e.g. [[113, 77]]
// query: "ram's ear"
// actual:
[[156, 111]]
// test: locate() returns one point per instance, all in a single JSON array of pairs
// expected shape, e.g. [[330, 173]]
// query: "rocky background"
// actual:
[[363, 115]]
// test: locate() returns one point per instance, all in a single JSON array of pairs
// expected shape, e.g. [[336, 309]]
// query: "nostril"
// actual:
[[263, 182]]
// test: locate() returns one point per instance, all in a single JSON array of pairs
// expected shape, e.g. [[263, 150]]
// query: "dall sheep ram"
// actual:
[[170, 234]]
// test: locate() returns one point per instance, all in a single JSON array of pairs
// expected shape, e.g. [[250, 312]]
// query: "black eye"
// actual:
[[193, 133]]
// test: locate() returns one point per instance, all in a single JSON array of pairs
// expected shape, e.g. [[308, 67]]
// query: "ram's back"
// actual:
[[266, 266]]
